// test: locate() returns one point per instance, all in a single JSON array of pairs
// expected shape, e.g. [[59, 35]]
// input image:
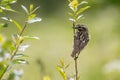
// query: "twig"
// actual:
[[73, 27], [15, 51], [25, 25], [76, 68], [75, 59]]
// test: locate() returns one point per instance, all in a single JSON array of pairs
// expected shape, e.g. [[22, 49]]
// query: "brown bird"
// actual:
[[81, 38]]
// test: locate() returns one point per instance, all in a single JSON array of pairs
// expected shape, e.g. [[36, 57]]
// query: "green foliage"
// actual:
[[20, 61], [15, 75], [62, 72], [6, 2], [76, 10], [28, 37], [2, 68], [5, 5], [3, 25], [13, 21], [31, 16], [20, 55], [12, 51], [61, 68]]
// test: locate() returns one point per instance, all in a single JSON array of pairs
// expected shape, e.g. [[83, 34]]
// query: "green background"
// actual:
[[56, 39]]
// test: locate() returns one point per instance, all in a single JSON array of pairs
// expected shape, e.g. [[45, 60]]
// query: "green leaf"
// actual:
[[17, 25], [10, 10], [25, 9], [83, 2], [71, 19], [12, 1], [31, 16], [71, 14], [12, 48], [62, 62], [31, 7], [2, 68], [62, 72], [80, 16], [6, 2], [20, 61], [1, 10], [34, 10], [67, 66], [13, 21], [4, 24], [20, 55], [6, 18], [69, 0], [28, 37], [82, 10], [33, 20], [7, 8]]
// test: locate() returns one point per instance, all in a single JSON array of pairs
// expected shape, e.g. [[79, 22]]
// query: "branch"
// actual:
[[15, 51], [76, 68]]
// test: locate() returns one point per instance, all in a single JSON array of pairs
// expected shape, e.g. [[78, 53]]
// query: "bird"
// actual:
[[81, 39]]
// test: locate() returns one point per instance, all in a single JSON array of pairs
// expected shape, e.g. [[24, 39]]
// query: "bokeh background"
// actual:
[[100, 60]]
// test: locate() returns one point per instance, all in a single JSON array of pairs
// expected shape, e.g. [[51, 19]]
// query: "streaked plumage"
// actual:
[[81, 38]]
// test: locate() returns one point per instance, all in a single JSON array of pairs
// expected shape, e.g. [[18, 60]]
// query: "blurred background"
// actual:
[[100, 60]]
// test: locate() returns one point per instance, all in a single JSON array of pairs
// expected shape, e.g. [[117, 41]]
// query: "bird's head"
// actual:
[[80, 27]]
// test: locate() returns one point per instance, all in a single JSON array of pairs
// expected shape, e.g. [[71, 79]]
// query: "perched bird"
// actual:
[[81, 38]]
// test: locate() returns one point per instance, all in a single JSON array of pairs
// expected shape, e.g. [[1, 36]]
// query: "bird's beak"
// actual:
[[75, 27]]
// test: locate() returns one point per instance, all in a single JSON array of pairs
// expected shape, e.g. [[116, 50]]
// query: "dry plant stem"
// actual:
[[25, 25], [75, 59], [15, 51], [73, 27], [76, 68]]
